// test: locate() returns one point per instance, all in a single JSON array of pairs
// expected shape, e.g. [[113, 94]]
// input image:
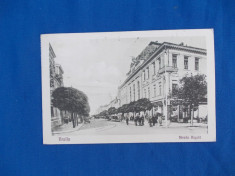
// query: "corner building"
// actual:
[[157, 69], [56, 80]]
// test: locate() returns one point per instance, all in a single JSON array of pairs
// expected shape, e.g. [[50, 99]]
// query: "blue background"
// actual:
[[21, 148]]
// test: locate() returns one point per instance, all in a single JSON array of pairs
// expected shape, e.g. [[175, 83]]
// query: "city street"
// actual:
[[104, 127]]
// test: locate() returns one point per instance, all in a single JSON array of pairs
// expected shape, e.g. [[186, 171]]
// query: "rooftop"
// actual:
[[154, 48]]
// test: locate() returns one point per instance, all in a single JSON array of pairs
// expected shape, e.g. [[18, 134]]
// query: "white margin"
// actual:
[[93, 139]]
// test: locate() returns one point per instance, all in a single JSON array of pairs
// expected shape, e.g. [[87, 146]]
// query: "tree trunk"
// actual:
[[178, 113], [191, 114], [76, 119], [73, 120]]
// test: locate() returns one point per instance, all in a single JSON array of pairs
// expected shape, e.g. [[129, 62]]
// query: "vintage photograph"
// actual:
[[128, 87]]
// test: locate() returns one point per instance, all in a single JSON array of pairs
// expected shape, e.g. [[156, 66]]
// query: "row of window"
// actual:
[[147, 93], [154, 91], [174, 65], [174, 62], [138, 91]]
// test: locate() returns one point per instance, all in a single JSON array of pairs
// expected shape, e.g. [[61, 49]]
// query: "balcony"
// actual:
[[167, 69]]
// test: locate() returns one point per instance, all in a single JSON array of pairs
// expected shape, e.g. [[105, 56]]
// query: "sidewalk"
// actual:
[[171, 124], [66, 128]]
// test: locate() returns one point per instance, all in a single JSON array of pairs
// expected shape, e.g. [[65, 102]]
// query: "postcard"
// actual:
[[128, 87]]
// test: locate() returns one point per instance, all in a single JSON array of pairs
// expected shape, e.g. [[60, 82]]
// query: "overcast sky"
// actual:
[[98, 66]]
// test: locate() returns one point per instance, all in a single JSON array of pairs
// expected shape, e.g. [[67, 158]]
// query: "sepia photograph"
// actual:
[[128, 87]]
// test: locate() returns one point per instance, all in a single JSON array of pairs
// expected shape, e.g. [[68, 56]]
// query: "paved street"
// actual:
[[104, 127]]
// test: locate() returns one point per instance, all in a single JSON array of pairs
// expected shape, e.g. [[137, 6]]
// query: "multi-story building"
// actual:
[[157, 70], [56, 80]]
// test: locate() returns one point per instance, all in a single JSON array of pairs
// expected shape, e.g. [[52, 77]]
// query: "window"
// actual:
[[174, 89], [145, 96], [159, 60], [154, 69], [130, 93], [174, 61], [196, 63], [185, 62], [56, 113], [147, 72], [160, 89], [148, 92], [134, 91], [144, 75], [52, 111], [138, 89], [154, 90]]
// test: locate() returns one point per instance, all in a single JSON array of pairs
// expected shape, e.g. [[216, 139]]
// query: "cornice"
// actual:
[[164, 46]]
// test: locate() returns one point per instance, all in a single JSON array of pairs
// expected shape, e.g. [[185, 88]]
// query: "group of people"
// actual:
[[140, 119]]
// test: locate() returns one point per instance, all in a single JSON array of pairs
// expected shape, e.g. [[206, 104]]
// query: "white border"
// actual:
[[84, 139]]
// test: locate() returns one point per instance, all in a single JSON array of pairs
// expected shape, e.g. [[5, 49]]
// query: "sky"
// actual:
[[98, 66]]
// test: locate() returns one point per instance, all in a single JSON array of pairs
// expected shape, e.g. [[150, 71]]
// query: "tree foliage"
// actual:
[[136, 106], [143, 105], [104, 113], [193, 89], [71, 99], [123, 109], [112, 110]]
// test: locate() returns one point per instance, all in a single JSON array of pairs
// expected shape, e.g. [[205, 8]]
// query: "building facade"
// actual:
[[56, 80], [157, 70]]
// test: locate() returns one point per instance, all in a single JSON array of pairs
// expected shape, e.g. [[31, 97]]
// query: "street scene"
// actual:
[[104, 127], [128, 86]]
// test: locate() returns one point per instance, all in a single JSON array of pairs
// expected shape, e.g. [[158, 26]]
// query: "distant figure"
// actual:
[[159, 120], [136, 119], [142, 120], [127, 120], [150, 120], [154, 119]]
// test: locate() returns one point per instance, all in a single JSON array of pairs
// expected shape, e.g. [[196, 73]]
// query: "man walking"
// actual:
[[150, 120], [142, 120], [127, 120], [136, 119]]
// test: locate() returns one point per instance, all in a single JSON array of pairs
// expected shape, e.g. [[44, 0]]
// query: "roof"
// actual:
[[153, 51], [51, 51]]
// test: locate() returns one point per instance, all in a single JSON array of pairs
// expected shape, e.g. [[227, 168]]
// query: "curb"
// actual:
[[69, 131]]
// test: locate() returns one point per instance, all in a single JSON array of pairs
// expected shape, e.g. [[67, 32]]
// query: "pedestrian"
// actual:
[[159, 120], [150, 120], [136, 119], [154, 119], [127, 120], [142, 120]]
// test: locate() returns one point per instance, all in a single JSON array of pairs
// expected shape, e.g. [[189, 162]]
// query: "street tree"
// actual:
[[112, 110], [143, 105], [192, 91], [123, 109], [71, 100], [104, 113], [132, 107]]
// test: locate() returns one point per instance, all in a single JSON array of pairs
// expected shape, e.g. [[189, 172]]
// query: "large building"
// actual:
[[56, 80], [157, 70]]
